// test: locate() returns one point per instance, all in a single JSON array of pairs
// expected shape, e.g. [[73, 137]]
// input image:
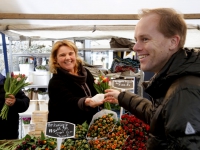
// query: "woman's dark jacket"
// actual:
[[174, 110], [67, 94], [9, 127]]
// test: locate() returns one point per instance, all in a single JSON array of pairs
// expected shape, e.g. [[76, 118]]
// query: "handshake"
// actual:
[[110, 96]]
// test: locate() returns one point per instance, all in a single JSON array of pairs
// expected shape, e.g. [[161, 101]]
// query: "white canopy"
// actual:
[[88, 19]]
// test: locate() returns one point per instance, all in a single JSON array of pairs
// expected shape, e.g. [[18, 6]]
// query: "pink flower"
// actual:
[[96, 81], [26, 120], [18, 79]]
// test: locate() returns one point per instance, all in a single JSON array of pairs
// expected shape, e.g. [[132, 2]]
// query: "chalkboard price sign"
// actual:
[[60, 129], [123, 84]]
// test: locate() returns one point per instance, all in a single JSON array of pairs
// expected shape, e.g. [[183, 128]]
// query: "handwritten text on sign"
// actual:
[[123, 84], [60, 129]]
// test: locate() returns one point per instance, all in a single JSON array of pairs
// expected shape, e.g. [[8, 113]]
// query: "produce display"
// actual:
[[75, 144], [29, 143], [114, 140], [137, 131], [101, 126], [81, 130], [104, 133]]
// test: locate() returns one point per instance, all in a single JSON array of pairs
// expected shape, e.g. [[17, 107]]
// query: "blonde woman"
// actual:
[[71, 87]]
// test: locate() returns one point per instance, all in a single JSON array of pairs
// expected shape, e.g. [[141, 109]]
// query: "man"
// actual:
[[174, 110]]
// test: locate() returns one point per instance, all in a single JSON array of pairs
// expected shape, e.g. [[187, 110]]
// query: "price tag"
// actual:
[[60, 129], [123, 84]]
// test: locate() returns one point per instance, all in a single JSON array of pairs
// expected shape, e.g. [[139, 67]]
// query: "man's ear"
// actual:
[[175, 40]]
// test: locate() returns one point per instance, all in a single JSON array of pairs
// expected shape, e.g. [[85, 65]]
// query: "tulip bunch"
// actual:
[[12, 85], [101, 126], [101, 84], [137, 131], [114, 140], [81, 130], [75, 144]]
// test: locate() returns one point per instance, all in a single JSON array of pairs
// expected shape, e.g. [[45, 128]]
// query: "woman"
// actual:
[[17, 104], [71, 87]]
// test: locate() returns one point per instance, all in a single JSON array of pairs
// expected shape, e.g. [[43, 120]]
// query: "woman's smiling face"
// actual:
[[66, 58], [152, 47]]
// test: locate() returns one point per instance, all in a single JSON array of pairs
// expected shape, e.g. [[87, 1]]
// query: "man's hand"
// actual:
[[111, 96]]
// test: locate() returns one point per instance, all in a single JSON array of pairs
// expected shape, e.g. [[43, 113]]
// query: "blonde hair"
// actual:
[[171, 22], [53, 65]]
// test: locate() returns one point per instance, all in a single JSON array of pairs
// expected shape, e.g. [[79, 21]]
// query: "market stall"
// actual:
[[93, 24]]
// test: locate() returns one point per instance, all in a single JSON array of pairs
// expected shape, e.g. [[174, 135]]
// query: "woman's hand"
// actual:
[[111, 96], [92, 103], [10, 100]]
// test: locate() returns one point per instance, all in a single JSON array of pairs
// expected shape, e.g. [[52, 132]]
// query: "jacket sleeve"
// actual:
[[82, 106], [182, 121], [138, 106], [22, 102], [90, 82]]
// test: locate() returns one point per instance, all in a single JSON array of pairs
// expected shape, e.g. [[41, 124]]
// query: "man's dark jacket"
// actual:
[[174, 110], [67, 94], [9, 127]]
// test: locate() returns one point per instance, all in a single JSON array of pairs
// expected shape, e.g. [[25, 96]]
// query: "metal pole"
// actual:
[[5, 52], [10, 57]]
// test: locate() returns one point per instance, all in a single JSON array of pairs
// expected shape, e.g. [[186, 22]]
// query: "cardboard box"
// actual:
[[39, 116], [40, 126], [40, 112], [35, 133]]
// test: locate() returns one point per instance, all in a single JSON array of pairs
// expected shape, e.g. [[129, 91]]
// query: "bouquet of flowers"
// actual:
[[137, 130], [26, 120], [12, 85], [101, 84]]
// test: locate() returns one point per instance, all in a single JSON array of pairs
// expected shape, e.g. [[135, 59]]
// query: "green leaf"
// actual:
[[27, 137], [85, 125], [44, 146], [42, 136]]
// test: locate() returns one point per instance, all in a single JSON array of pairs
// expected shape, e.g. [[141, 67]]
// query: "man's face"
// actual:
[[151, 46]]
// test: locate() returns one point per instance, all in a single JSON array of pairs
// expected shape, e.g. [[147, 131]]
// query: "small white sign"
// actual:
[[123, 84], [31, 127]]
